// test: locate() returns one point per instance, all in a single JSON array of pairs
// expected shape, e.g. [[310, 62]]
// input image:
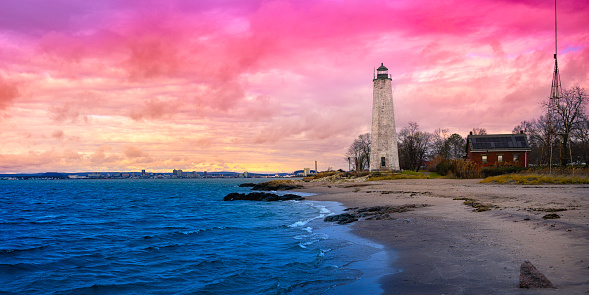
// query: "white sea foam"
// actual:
[[322, 252], [300, 223]]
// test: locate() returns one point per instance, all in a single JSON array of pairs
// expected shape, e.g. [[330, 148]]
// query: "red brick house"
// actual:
[[498, 149]]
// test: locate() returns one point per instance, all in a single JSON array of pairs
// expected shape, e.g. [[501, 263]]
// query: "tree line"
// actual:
[[569, 129], [570, 141], [415, 147]]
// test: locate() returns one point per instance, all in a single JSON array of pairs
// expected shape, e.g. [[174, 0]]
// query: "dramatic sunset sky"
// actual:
[[228, 85]]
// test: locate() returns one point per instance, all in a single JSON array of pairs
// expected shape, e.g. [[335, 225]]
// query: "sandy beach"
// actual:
[[447, 248]]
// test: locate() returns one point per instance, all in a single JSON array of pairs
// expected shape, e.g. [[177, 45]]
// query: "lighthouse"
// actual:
[[384, 154]]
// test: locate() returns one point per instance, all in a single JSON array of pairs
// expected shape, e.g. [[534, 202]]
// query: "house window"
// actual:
[[499, 158], [484, 158], [515, 157], [382, 161]]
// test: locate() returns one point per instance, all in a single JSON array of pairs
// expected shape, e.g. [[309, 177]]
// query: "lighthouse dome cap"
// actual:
[[382, 68]]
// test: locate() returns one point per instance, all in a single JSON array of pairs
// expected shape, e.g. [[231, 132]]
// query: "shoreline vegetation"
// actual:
[[466, 236], [529, 176]]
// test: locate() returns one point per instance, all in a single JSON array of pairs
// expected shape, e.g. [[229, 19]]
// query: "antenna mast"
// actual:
[[554, 100]]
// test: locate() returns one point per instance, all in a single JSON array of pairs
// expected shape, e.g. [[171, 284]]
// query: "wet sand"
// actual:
[[446, 248]]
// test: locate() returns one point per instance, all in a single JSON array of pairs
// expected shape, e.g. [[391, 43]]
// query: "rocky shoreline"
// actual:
[[468, 237], [371, 213]]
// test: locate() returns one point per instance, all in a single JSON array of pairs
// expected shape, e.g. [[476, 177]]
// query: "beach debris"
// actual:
[[551, 216], [371, 213], [531, 277], [259, 196], [478, 207], [548, 209], [276, 185]]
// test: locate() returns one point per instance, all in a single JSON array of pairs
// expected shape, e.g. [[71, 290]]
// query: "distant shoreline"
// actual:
[[448, 248], [139, 175]]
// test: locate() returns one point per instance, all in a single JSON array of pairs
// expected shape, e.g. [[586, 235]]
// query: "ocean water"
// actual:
[[173, 236]]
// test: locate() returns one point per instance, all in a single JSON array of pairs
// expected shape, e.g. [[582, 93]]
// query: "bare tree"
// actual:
[[580, 144], [413, 147], [479, 131], [358, 153], [439, 142], [447, 146], [570, 114], [456, 146], [535, 131]]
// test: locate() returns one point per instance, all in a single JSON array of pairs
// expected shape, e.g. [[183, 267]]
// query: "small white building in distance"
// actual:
[[384, 154]]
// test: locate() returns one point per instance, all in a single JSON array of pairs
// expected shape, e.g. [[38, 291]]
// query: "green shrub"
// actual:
[[459, 168], [432, 166], [500, 170], [444, 167]]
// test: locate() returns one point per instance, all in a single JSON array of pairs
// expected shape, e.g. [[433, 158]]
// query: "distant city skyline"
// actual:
[[264, 86]]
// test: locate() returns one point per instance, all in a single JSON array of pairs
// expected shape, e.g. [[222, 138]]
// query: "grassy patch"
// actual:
[[536, 179], [478, 207], [434, 175], [392, 176], [336, 175]]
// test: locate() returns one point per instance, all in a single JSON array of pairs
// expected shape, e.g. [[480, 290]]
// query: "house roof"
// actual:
[[497, 142]]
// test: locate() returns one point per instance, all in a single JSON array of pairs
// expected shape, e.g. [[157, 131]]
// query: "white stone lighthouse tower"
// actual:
[[384, 154]]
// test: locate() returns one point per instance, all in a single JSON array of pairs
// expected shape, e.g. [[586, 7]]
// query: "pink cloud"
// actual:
[[134, 152], [8, 92], [66, 112], [266, 81], [103, 156], [57, 134], [154, 109]]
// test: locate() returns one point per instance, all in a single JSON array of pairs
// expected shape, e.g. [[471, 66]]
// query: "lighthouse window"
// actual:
[[382, 161]]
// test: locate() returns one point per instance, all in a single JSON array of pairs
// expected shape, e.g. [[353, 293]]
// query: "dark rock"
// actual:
[[531, 277], [247, 184], [551, 216], [341, 218], [351, 209], [275, 186], [258, 196]]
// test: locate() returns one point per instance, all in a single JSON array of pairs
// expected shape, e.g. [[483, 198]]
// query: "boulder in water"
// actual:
[[276, 185], [259, 196]]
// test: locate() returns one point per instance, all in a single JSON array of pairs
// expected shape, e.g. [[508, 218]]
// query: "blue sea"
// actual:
[[174, 236]]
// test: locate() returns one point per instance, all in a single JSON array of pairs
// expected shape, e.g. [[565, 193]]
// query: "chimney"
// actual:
[[521, 132], [471, 133]]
